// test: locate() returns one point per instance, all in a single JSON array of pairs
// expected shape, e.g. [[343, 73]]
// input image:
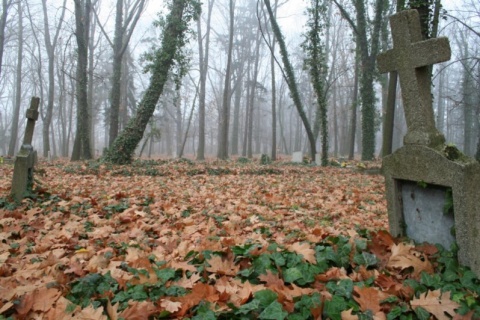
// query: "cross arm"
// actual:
[[430, 52]]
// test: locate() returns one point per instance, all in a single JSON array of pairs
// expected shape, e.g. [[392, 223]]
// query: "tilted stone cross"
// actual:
[[26, 157], [410, 57]]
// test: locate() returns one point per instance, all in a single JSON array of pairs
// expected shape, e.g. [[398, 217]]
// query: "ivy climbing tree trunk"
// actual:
[[123, 148], [317, 67], [369, 47], [289, 76]]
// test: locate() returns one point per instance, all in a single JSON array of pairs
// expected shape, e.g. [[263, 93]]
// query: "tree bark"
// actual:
[[81, 146]]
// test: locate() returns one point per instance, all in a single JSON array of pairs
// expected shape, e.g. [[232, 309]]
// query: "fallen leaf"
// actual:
[[305, 250], [436, 303]]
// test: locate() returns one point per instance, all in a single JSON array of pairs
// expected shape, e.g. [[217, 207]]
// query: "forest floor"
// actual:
[[227, 240]]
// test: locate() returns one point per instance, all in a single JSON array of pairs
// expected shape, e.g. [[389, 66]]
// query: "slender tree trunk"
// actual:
[[223, 124], [253, 90], [50, 48], [441, 103], [123, 32], [3, 22], [124, 146], [18, 83], [353, 123], [203, 64]]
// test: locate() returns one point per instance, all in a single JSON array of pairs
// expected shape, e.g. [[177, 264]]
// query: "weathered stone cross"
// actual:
[[410, 57], [26, 157]]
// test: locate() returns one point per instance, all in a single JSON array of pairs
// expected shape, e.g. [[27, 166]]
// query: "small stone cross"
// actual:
[[410, 57], [26, 157]]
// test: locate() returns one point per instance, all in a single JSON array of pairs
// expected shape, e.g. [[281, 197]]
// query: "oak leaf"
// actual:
[[403, 257], [436, 303]]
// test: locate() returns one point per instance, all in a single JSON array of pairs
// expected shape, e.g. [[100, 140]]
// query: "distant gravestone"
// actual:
[[26, 157], [297, 157], [318, 159], [423, 175]]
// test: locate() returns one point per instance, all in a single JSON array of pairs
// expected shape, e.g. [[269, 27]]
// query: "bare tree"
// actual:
[[3, 22], [123, 32], [50, 45], [224, 117], [18, 80]]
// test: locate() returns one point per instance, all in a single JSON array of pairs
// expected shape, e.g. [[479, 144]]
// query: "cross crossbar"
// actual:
[[410, 57]]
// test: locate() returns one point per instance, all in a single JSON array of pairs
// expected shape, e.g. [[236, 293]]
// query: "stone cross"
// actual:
[[26, 157], [410, 57]]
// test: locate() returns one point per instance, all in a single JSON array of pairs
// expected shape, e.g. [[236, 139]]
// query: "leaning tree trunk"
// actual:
[[290, 79], [123, 148]]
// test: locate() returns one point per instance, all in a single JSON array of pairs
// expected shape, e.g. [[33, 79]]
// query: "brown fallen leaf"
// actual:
[[436, 303], [369, 298], [305, 250]]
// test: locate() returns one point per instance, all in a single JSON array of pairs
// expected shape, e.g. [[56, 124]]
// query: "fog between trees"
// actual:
[[226, 95]]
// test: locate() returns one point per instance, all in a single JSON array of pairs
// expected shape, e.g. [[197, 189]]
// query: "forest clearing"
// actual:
[[217, 240]]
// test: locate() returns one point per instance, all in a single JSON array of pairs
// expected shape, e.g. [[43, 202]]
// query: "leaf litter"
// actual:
[[175, 239]]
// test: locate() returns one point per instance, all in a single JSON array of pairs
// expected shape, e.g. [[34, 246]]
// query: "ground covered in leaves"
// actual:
[[231, 240]]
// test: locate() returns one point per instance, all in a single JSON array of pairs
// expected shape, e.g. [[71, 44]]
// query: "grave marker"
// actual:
[[297, 157], [410, 57], [26, 157], [421, 177]]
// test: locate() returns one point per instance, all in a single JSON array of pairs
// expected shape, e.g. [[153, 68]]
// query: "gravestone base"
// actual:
[[297, 157], [413, 167]]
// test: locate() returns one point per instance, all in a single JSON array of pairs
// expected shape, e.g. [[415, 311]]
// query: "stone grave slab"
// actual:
[[297, 157], [425, 159], [424, 213]]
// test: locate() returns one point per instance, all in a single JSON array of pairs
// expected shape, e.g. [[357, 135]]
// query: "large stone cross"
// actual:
[[410, 57], [26, 157]]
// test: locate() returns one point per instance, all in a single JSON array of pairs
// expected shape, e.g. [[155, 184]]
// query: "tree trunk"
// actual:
[[18, 84], [124, 146], [3, 22], [203, 65], [224, 117], [81, 146], [353, 123]]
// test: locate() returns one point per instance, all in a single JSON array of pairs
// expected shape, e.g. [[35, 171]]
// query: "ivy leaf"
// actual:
[[273, 311]]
